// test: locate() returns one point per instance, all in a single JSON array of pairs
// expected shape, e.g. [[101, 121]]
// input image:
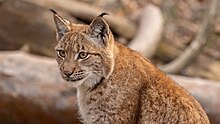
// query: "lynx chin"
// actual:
[[117, 85]]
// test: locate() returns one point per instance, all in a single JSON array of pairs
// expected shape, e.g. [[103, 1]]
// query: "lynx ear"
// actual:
[[62, 25], [99, 30]]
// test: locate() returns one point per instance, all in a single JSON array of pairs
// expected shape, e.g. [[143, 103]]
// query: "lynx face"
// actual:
[[84, 53]]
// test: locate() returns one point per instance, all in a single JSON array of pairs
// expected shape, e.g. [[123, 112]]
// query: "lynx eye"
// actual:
[[61, 53], [82, 55]]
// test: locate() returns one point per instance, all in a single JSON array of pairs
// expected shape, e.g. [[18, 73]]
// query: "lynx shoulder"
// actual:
[[116, 85]]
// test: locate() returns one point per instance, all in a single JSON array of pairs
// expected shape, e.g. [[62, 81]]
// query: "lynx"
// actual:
[[117, 85]]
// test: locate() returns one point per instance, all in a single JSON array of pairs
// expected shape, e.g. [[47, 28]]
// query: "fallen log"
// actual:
[[23, 76], [31, 23], [25, 23], [120, 25], [206, 92], [33, 91]]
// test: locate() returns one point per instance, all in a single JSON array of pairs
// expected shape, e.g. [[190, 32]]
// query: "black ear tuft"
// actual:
[[103, 14], [99, 30], [62, 25], [53, 11]]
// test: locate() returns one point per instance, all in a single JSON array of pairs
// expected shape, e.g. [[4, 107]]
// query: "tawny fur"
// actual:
[[121, 86]]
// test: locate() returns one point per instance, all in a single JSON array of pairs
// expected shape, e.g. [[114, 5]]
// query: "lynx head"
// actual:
[[84, 52]]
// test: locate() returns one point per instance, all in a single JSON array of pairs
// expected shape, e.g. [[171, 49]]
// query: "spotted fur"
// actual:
[[116, 85]]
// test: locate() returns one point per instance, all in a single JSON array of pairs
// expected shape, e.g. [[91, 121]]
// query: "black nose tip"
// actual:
[[68, 73]]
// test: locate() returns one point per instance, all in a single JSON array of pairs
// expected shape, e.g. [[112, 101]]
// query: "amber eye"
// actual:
[[82, 55], [61, 53]]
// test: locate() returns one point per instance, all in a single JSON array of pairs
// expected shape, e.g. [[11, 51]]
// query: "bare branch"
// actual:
[[149, 32], [196, 46]]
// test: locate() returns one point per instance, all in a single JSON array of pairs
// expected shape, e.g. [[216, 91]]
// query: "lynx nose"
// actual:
[[68, 73]]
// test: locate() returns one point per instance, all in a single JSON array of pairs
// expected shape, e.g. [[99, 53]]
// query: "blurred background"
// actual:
[[181, 37]]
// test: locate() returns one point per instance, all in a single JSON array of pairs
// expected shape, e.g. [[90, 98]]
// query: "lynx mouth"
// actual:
[[75, 79]]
